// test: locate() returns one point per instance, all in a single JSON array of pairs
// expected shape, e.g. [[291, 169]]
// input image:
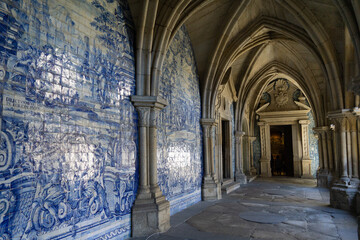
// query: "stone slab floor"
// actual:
[[273, 208]]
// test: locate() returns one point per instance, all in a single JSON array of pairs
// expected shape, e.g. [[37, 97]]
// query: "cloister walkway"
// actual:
[[273, 208]]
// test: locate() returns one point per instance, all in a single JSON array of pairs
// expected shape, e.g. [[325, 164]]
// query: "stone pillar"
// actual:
[[343, 150], [211, 188], [342, 193], [324, 175], [330, 137], [321, 158], [265, 165], [325, 153], [306, 161], [251, 157], [144, 185], [349, 155], [239, 171], [297, 149], [354, 148], [212, 141], [151, 211]]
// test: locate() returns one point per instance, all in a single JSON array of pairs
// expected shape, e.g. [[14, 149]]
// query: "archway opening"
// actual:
[[282, 163]]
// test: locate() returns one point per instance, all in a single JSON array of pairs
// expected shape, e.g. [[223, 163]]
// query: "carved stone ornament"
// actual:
[[144, 113], [281, 96]]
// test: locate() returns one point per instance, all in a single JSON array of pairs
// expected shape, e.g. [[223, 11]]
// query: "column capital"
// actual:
[[338, 115], [356, 112], [304, 122], [154, 116], [149, 101], [144, 115], [251, 138], [352, 119], [321, 129], [208, 121], [239, 134]]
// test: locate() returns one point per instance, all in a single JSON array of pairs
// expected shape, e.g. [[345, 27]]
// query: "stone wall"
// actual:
[[179, 134], [68, 130]]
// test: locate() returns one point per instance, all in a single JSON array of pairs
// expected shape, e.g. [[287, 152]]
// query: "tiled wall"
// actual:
[[179, 137], [313, 145], [68, 130]]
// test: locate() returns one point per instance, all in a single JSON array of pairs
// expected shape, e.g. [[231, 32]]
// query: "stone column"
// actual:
[[265, 157], [354, 148], [251, 157], [206, 135], [154, 186], [324, 150], [151, 211], [348, 149], [239, 171], [306, 161], [296, 138], [321, 158], [343, 150], [330, 137], [212, 141], [342, 193], [211, 188], [144, 186], [324, 175]]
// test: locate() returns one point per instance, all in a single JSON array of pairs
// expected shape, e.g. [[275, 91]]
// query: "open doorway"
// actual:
[[226, 148], [281, 151]]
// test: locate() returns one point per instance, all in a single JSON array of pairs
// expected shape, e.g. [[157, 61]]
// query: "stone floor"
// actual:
[[274, 208]]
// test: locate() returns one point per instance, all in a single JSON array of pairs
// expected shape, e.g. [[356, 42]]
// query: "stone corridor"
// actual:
[[276, 208]]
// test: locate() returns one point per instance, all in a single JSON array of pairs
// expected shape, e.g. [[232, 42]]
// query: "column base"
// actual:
[[265, 168], [211, 189], [343, 196], [297, 168], [240, 177], [324, 178], [306, 169], [253, 171], [357, 201], [150, 213]]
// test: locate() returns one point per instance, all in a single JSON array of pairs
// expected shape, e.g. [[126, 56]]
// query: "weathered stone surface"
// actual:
[[249, 214], [262, 217]]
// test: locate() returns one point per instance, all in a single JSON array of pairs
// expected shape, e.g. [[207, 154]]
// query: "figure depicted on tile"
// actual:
[[69, 131]]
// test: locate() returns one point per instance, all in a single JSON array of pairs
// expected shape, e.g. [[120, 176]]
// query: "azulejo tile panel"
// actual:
[[68, 130], [313, 145], [179, 134]]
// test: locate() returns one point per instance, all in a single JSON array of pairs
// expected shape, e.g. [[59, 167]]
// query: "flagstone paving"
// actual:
[[273, 208]]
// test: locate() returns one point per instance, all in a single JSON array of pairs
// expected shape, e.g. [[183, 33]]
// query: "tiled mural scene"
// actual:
[[179, 134], [117, 114], [68, 129]]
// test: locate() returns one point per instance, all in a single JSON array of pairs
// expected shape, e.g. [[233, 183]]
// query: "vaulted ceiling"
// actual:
[[314, 43]]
